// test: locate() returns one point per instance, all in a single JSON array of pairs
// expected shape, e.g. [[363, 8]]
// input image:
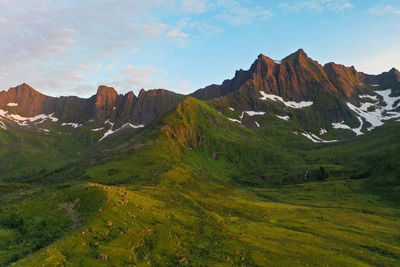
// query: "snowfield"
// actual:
[[291, 104], [234, 120], [110, 131], [373, 113], [316, 139], [25, 121], [72, 124], [286, 118], [254, 113]]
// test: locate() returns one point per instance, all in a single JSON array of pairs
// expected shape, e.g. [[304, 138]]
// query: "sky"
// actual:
[[70, 47]]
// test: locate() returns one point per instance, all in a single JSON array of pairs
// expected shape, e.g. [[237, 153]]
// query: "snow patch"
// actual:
[[291, 104], [374, 85], [286, 118], [24, 121], [322, 131], [278, 61], [97, 129], [3, 126], [316, 139], [12, 104], [373, 113], [254, 113], [110, 131], [234, 120], [341, 125], [258, 125], [72, 124], [45, 130], [53, 119], [231, 108], [389, 100]]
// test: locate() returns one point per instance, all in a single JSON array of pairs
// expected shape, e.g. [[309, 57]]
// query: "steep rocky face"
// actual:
[[296, 77], [69, 108], [390, 79], [152, 103], [106, 104], [106, 98], [23, 100], [345, 79], [299, 78]]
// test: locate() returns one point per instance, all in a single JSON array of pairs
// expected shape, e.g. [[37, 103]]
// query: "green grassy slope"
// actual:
[[200, 189]]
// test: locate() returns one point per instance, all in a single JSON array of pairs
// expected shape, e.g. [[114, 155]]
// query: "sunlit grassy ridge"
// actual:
[[196, 188]]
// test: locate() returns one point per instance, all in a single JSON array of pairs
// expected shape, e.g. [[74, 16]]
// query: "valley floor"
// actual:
[[202, 223]]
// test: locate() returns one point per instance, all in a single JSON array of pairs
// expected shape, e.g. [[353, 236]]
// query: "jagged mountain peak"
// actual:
[[264, 58], [23, 90], [396, 72], [106, 96], [26, 100], [299, 55], [106, 89], [141, 92]]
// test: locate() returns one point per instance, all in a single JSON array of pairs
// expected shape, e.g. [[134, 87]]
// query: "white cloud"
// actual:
[[176, 33], [338, 6], [177, 36], [59, 45], [385, 10], [44, 37], [136, 77], [235, 14]]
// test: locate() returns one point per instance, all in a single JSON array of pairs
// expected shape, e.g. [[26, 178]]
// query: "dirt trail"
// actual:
[[69, 207]]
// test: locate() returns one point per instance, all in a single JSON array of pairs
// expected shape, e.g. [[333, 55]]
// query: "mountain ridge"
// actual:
[[297, 77], [104, 105]]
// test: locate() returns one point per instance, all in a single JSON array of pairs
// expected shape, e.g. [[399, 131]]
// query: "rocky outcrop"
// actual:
[[28, 101], [106, 104], [299, 78]]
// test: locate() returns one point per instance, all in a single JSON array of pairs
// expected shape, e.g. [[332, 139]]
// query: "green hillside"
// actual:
[[199, 189]]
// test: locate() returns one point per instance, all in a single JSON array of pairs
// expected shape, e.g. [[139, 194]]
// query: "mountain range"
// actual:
[[295, 78], [289, 163]]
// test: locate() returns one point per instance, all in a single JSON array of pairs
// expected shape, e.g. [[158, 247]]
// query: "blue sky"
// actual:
[[70, 47]]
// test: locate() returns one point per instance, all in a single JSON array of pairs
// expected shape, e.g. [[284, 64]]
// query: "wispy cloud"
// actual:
[[338, 6], [194, 6], [72, 41], [385, 10], [177, 36], [236, 14], [67, 36]]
